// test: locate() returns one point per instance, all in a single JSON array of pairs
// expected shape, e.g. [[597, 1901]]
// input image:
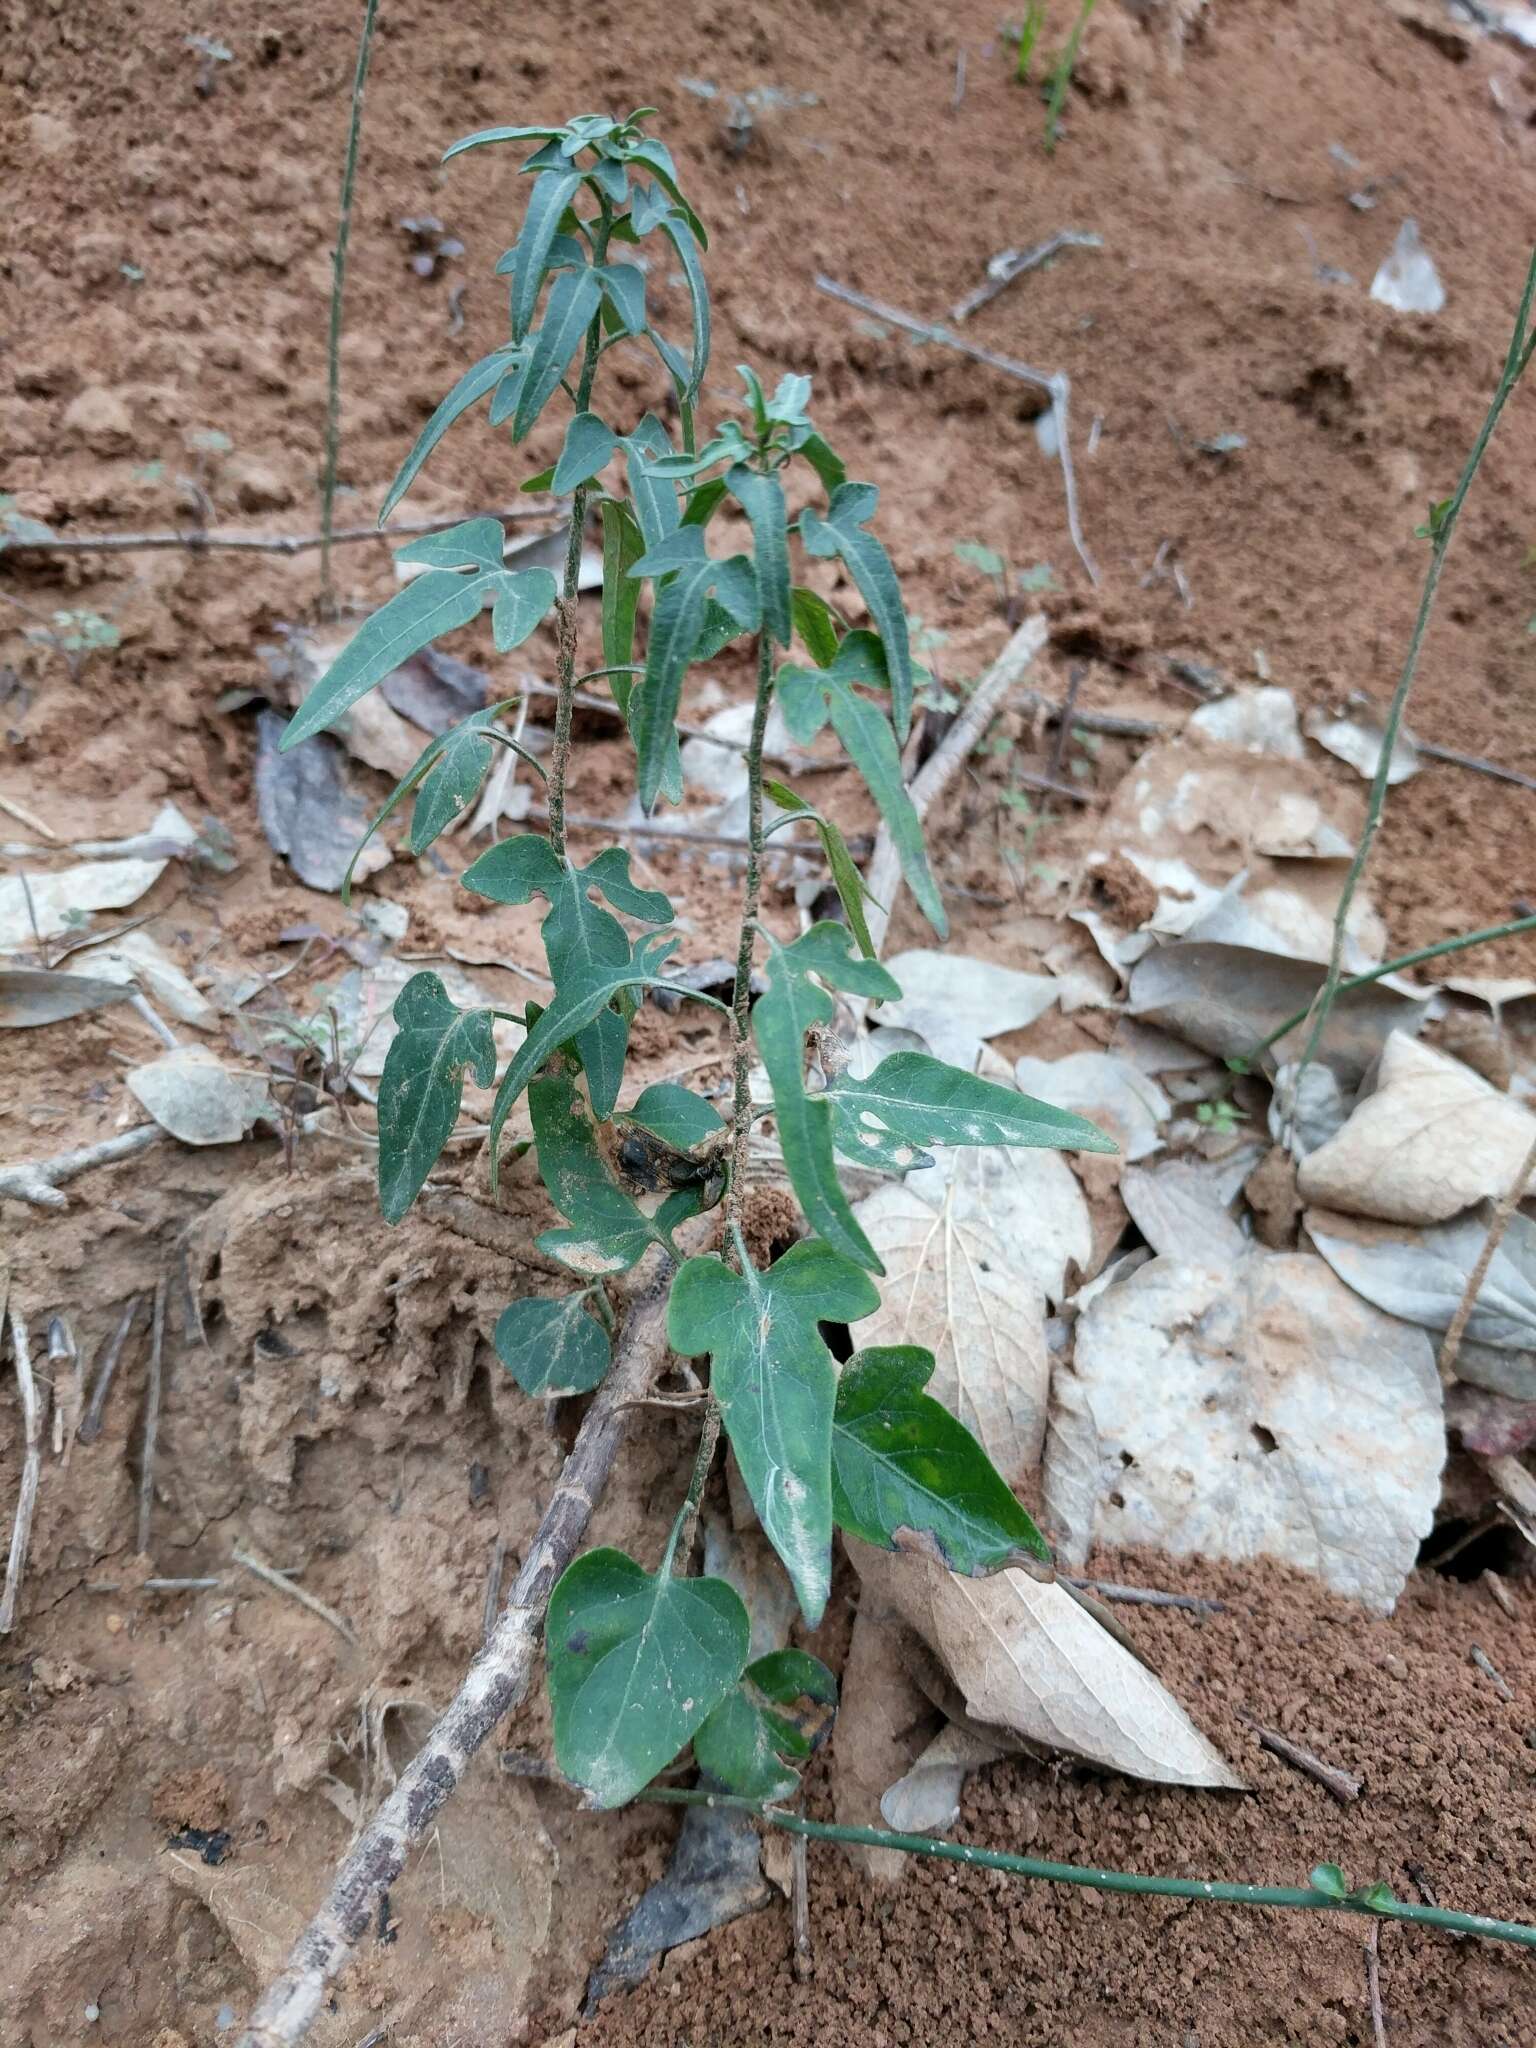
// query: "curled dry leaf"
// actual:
[[1430, 1141], [1254, 721], [1357, 739], [1265, 1411], [925, 1800], [971, 1249], [30, 996], [956, 1002], [1029, 1661]]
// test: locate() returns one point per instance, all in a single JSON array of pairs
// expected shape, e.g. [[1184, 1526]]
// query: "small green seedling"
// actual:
[[641, 1662]]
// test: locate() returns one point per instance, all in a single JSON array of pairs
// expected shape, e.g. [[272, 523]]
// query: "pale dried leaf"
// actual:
[[1311, 1118], [1259, 720], [1029, 1661], [61, 900], [1293, 916], [191, 1094], [884, 1721], [134, 957], [30, 996], [925, 1800], [977, 996], [1357, 740], [1265, 1411], [1430, 1141], [1110, 1091], [1184, 1207]]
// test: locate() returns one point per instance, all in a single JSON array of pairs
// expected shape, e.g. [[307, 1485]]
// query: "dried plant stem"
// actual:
[[152, 1401], [1303, 1899], [257, 543], [332, 449], [280, 1584], [495, 1683], [1338, 1784], [32, 1407], [106, 1372], [1444, 525], [37, 1181], [1509, 1201]]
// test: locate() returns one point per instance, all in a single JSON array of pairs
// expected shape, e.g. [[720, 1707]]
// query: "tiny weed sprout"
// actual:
[[642, 1663]]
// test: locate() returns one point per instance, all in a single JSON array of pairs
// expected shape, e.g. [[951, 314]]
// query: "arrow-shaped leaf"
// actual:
[[846, 878], [552, 193], [624, 288], [776, 1384], [653, 497], [790, 1005], [609, 1229], [637, 1662], [911, 1101], [552, 1348], [423, 1084], [842, 532], [623, 545], [679, 231], [476, 381], [676, 1115], [568, 311], [908, 1476], [762, 499], [781, 1708], [473, 544], [483, 136]]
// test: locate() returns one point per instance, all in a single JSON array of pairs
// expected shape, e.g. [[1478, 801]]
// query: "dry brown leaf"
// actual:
[[884, 1721], [1433, 1139], [1183, 1207], [1030, 1661]]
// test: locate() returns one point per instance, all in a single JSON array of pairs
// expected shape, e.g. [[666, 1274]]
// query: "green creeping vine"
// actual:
[[641, 1664]]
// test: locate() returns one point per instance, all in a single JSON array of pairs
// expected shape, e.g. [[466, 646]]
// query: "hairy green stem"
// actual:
[[1301, 1898], [565, 604], [741, 1000], [1346, 987], [332, 449], [1444, 529]]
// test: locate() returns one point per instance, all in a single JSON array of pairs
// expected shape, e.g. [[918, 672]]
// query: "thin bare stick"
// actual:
[[986, 700], [262, 543], [1491, 1672], [800, 1908], [1373, 1986], [1055, 383], [332, 445], [152, 1415], [1069, 790], [1475, 762], [38, 1181], [67, 1375], [22, 816], [1012, 263], [493, 1588], [1145, 1596], [495, 1683], [275, 1579], [1509, 1201], [1338, 1784], [32, 1407], [106, 1372]]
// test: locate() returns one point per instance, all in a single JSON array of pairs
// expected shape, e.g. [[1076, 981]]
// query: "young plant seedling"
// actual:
[[642, 1662]]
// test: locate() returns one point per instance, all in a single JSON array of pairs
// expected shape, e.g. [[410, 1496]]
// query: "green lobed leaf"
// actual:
[[623, 545], [637, 1662], [776, 1384], [552, 193], [423, 1084], [523, 596], [912, 1100], [609, 1229], [827, 465], [842, 532], [846, 878], [483, 136], [676, 1115], [762, 499], [476, 381], [553, 1348], [652, 498], [474, 544], [908, 1476], [657, 158], [589, 444], [454, 776], [748, 1744], [677, 621], [703, 502], [624, 288], [568, 312], [678, 228], [782, 1015]]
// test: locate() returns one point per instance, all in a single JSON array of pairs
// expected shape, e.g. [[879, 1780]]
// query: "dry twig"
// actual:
[[106, 1372], [1012, 263], [261, 543], [1508, 1202], [1373, 1986], [1338, 1784], [152, 1415], [32, 1410], [1491, 1672], [1145, 1596], [276, 1580]]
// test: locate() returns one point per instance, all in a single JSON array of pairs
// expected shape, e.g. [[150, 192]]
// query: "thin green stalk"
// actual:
[[565, 604], [1346, 987], [741, 999], [1061, 77], [1443, 528], [1300, 1898], [332, 449]]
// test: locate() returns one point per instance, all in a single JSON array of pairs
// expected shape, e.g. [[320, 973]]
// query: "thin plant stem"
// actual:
[[1346, 987], [1443, 528], [741, 999], [565, 606], [1061, 76], [1300, 1898], [704, 1458], [1509, 1201], [332, 449]]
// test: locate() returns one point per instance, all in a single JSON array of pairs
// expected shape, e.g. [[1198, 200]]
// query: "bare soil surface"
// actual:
[[165, 274]]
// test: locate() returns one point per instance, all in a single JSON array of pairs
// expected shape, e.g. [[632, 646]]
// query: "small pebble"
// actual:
[[93, 2012], [115, 1624]]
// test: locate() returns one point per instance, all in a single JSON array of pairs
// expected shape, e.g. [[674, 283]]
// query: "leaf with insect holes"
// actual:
[[911, 1101], [677, 622], [476, 381], [623, 545], [787, 1009], [580, 939], [553, 1348], [676, 1115], [908, 1476], [637, 1663], [776, 1384], [762, 499], [842, 532], [552, 193], [846, 879], [624, 288], [585, 991], [809, 696], [568, 313], [782, 1704], [652, 498], [609, 1230], [588, 445], [435, 1042]]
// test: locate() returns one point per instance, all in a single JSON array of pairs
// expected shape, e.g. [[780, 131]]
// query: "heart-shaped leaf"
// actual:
[[776, 1384], [553, 1348], [781, 1707], [637, 1663], [423, 1084]]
